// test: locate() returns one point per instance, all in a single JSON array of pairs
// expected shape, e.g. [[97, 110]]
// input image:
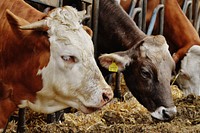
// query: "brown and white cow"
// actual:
[[47, 65], [181, 37], [189, 74], [178, 30], [146, 62]]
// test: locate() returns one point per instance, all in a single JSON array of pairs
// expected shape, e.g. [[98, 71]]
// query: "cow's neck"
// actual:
[[113, 19], [184, 34]]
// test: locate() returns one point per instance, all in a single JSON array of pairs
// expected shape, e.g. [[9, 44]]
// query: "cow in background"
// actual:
[[189, 74], [49, 64], [181, 37], [178, 30], [145, 60]]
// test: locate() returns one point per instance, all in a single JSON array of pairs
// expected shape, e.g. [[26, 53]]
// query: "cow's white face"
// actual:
[[71, 77], [189, 77]]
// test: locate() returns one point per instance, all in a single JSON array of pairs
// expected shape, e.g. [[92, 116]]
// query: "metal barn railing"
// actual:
[[196, 15], [187, 9], [159, 10], [53, 3]]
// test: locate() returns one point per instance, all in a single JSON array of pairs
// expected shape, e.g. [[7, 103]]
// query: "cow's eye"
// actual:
[[145, 73], [69, 59]]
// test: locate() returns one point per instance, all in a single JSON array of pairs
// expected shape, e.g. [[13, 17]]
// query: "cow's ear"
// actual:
[[119, 59], [88, 30], [15, 22]]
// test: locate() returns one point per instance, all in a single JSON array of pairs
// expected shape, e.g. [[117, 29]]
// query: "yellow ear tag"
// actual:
[[113, 67]]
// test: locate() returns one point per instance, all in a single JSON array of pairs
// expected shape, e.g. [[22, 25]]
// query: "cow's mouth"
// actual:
[[91, 109], [88, 110]]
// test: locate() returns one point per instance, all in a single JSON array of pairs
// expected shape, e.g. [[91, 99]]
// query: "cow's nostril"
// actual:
[[105, 97], [166, 114]]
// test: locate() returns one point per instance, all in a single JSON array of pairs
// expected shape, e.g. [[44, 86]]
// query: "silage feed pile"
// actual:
[[121, 117]]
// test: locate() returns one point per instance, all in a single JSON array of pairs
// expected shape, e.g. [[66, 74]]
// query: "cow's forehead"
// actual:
[[67, 16], [78, 41], [156, 48], [194, 50], [65, 29], [191, 60]]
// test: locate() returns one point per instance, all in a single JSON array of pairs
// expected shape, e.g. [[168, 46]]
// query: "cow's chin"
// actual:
[[88, 110]]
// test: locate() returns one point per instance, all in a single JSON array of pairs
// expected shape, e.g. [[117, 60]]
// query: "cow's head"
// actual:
[[71, 77], [189, 74], [147, 72]]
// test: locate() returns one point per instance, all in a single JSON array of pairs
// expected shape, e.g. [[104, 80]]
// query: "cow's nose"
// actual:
[[169, 113], [107, 96], [164, 114]]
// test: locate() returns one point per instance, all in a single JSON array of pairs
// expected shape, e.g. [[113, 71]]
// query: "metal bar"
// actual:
[[117, 90], [138, 11], [161, 24], [133, 3], [190, 12], [184, 5], [187, 7], [21, 121], [198, 23], [94, 24], [153, 18], [196, 10], [140, 14], [144, 8], [54, 3]]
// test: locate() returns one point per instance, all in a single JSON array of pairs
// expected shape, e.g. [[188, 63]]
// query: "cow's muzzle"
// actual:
[[106, 96], [164, 114]]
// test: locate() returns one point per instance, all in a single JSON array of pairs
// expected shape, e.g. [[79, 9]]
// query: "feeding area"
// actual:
[[113, 66]]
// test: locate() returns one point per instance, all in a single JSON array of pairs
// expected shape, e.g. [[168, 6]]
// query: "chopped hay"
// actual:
[[117, 116]]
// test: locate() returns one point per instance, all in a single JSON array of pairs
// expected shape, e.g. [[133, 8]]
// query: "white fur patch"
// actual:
[[156, 48], [189, 78], [158, 114], [195, 50], [79, 84]]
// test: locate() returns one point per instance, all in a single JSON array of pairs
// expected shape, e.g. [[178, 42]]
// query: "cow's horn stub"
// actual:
[[39, 25], [159, 39]]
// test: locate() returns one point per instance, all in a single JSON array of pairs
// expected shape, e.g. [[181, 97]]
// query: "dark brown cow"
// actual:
[[47, 65], [181, 37], [146, 63]]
